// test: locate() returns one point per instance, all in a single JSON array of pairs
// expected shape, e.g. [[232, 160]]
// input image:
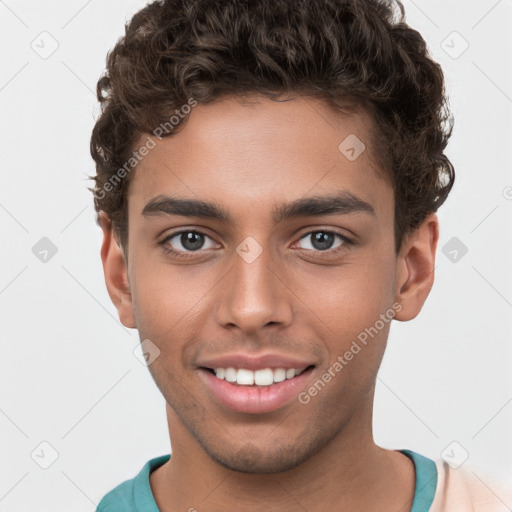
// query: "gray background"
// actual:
[[69, 376]]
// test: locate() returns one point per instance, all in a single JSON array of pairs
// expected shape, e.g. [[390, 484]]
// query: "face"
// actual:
[[257, 244]]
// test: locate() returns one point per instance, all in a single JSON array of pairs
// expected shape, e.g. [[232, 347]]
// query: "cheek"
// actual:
[[350, 309], [169, 305], [356, 294], [358, 316]]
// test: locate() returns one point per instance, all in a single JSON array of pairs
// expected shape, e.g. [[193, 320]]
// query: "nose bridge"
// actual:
[[253, 295]]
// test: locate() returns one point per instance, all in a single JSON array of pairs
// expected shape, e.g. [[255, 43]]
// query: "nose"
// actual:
[[253, 295]]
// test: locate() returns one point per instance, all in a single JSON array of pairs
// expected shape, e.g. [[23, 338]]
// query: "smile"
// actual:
[[254, 391], [262, 377]]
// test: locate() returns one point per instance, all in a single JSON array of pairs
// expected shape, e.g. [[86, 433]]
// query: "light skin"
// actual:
[[294, 299]]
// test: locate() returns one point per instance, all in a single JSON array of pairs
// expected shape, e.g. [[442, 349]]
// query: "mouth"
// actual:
[[263, 377], [254, 391]]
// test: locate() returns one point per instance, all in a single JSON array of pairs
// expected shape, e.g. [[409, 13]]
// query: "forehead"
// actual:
[[253, 155]]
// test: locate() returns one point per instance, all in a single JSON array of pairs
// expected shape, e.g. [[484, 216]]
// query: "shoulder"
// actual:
[[119, 499], [469, 490], [134, 494]]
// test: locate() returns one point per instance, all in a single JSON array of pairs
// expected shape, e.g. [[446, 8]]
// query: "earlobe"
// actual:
[[116, 273], [415, 268]]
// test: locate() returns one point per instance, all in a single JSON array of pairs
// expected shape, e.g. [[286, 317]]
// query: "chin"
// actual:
[[253, 459]]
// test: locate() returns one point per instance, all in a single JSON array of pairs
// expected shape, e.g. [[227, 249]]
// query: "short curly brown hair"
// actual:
[[344, 52]]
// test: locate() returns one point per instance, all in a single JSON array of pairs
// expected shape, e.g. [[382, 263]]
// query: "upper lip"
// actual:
[[252, 362]]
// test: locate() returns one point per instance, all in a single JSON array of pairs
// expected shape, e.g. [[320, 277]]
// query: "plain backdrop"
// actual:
[[74, 396]]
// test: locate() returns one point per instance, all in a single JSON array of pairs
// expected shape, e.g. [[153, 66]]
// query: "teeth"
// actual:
[[263, 377], [244, 377], [279, 375], [230, 374]]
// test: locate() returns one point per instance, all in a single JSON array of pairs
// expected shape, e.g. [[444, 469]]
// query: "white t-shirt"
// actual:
[[467, 490]]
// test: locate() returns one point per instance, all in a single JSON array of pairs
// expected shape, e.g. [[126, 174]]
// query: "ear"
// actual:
[[116, 274], [415, 268]]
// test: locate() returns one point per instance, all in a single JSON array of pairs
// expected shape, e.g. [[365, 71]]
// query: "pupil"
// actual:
[[192, 241], [320, 240]]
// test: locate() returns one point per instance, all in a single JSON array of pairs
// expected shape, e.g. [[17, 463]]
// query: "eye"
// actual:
[[324, 240], [183, 243], [190, 240]]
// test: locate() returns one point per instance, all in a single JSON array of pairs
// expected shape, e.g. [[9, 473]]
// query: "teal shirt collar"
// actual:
[[136, 495]]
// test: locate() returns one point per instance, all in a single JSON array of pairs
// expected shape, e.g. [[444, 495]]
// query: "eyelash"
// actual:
[[181, 255]]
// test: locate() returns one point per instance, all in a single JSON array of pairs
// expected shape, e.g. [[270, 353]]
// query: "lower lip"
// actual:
[[252, 399]]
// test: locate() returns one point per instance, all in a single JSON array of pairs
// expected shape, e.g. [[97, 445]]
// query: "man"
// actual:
[[268, 174]]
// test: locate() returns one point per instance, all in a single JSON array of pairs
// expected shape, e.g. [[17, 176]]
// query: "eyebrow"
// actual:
[[338, 204]]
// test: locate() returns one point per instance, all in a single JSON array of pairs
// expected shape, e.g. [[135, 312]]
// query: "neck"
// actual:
[[349, 473]]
